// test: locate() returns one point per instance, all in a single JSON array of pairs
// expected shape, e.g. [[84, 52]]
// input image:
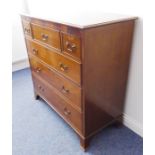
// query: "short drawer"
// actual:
[[46, 35], [71, 45], [66, 87], [26, 27], [63, 65], [72, 116]]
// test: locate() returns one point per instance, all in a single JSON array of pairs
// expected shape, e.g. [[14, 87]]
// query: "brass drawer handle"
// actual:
[[64, 90], [44, 37], [67, 112], [26, 30], [70, 47], [38, 70], [63, 67], [41, 88], [35, 51]]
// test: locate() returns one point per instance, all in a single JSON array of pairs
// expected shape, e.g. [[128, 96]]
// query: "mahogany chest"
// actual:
[[80, 71]]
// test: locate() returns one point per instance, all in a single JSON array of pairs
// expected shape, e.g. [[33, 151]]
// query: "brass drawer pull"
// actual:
[[70, 47], [38, 70], [35, 51], [44, 37], [63, 67], [41, 88], [67, 112], [26, 30], [64, 90]]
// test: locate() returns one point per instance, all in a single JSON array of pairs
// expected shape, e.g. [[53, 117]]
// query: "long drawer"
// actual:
[[65, 66], [72, 116], [66, 87]]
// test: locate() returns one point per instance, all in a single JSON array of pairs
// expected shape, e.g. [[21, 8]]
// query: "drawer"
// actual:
[[67, 88], [46, 35], [71, 45], [72, 116], [65, 66], [26, 27]]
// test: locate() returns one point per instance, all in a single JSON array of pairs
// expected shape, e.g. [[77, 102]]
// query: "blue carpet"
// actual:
[[38, 130]]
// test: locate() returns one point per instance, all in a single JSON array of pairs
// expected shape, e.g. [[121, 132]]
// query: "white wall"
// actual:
[[18, 46], [134, 103], [134, 97], [19, 55]]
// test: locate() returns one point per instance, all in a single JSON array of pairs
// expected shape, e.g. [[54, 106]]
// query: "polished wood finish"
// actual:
[[71, 45], [55, 100], [46, 35], [71, 30], [65, 66], [106, 62], [81, 72], [67, 88]]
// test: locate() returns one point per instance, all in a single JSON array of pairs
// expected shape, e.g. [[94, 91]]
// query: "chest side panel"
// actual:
[[105, 71]]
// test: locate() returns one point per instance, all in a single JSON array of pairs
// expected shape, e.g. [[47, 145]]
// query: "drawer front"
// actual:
[[65, 66], [67, 88], [71, 115], [48, 36], [71, 45], [26, 27]]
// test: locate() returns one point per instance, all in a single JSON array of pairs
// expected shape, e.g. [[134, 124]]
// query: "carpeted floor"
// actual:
[[38, 130]]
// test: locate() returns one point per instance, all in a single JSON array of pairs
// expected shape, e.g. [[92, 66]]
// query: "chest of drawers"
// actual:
[[80, 71]]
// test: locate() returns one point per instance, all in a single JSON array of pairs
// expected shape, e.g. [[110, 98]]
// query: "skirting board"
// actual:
[[133, 125], [21, 64]]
